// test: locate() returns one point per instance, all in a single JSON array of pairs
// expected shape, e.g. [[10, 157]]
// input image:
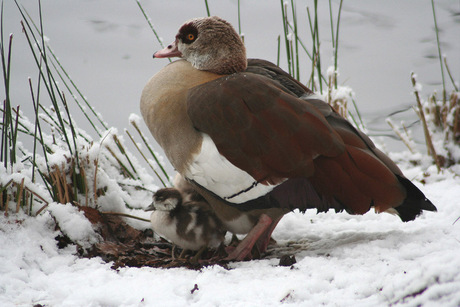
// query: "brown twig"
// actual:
[[6, 205], [421, 114], [399, 134], [57, 175], [126, 215], [83, 174], [42, 208], [21, 188], [34, 193], [96, 162], [65, 186]]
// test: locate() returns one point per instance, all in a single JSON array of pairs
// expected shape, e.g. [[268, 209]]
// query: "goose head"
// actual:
[[209, 44]]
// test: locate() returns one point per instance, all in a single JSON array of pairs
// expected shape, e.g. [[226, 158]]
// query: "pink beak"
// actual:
[[168, 52]]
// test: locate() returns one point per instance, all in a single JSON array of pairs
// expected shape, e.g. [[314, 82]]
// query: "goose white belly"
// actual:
[[215, 173]]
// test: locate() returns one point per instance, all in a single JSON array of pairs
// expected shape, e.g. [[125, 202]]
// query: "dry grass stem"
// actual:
[[127, 215], [96, 163], [142, 155], [85, 180], [42, 208], [421, 114], [21, 188], [404, 138], [36, 195], [7, 202]]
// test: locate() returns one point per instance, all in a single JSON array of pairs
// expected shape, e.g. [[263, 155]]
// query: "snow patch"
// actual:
[[74, 224], [369, 260]]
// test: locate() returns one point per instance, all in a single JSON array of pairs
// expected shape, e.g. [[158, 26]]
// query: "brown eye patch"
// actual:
[[188, 33]]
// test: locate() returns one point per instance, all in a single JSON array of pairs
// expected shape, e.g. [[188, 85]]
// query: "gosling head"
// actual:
[[166, 199]]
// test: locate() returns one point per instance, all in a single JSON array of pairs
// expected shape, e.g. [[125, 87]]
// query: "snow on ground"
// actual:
[[342, 260]]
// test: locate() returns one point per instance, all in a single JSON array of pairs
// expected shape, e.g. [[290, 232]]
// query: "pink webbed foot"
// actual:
[[259, 236]]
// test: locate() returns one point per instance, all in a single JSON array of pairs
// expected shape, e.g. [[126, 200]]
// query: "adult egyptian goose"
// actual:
[[255, 143], [185, 219]]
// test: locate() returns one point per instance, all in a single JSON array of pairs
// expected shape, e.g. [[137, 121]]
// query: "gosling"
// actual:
[[190, 224]]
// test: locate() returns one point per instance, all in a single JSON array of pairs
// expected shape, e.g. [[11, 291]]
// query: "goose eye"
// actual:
[[188, 33]]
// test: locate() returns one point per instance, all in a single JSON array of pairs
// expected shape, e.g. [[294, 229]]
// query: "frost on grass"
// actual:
[[439, 116], [441, 113], [95, 172], [134, 118], [331, 72]]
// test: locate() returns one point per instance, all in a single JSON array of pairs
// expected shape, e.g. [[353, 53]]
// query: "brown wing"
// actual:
[[360, 177], [260, 128], [270, 70], [363, 176], [260, 125]]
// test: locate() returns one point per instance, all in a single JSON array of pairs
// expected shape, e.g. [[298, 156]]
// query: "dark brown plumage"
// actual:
[[260, 143]]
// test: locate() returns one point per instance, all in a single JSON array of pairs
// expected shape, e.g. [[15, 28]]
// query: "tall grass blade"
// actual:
[[355, 105], [317, 47], [332, 25], [444, 94], [122, 150], [147, 18], [239, 22], [51, 84], [336, 48], [294, 20], [278, 52], [7, 150], [314, 55], [145, 158], [81, 95], [304, 48], [207, 8], [286, 33], [151, 151], [450, 75]]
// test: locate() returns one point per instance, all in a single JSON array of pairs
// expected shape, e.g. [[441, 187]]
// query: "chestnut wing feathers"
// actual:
[[268, 124], [270, 70], [260, 128]]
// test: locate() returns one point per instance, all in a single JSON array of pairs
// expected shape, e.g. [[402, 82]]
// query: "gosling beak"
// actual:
[[151, 207]]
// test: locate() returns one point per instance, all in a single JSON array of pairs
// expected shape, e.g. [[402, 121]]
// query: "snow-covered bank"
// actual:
[[341, 260]]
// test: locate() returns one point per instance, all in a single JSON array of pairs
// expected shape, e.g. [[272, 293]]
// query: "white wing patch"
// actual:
[[214, 172]]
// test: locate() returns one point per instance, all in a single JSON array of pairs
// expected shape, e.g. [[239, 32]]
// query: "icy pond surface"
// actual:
[[107, 48]]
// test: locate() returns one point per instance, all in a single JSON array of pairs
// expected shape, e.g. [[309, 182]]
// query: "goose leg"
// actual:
[[264, 239], [173, 252], [195, 259], [183, 253], [244, 248]]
